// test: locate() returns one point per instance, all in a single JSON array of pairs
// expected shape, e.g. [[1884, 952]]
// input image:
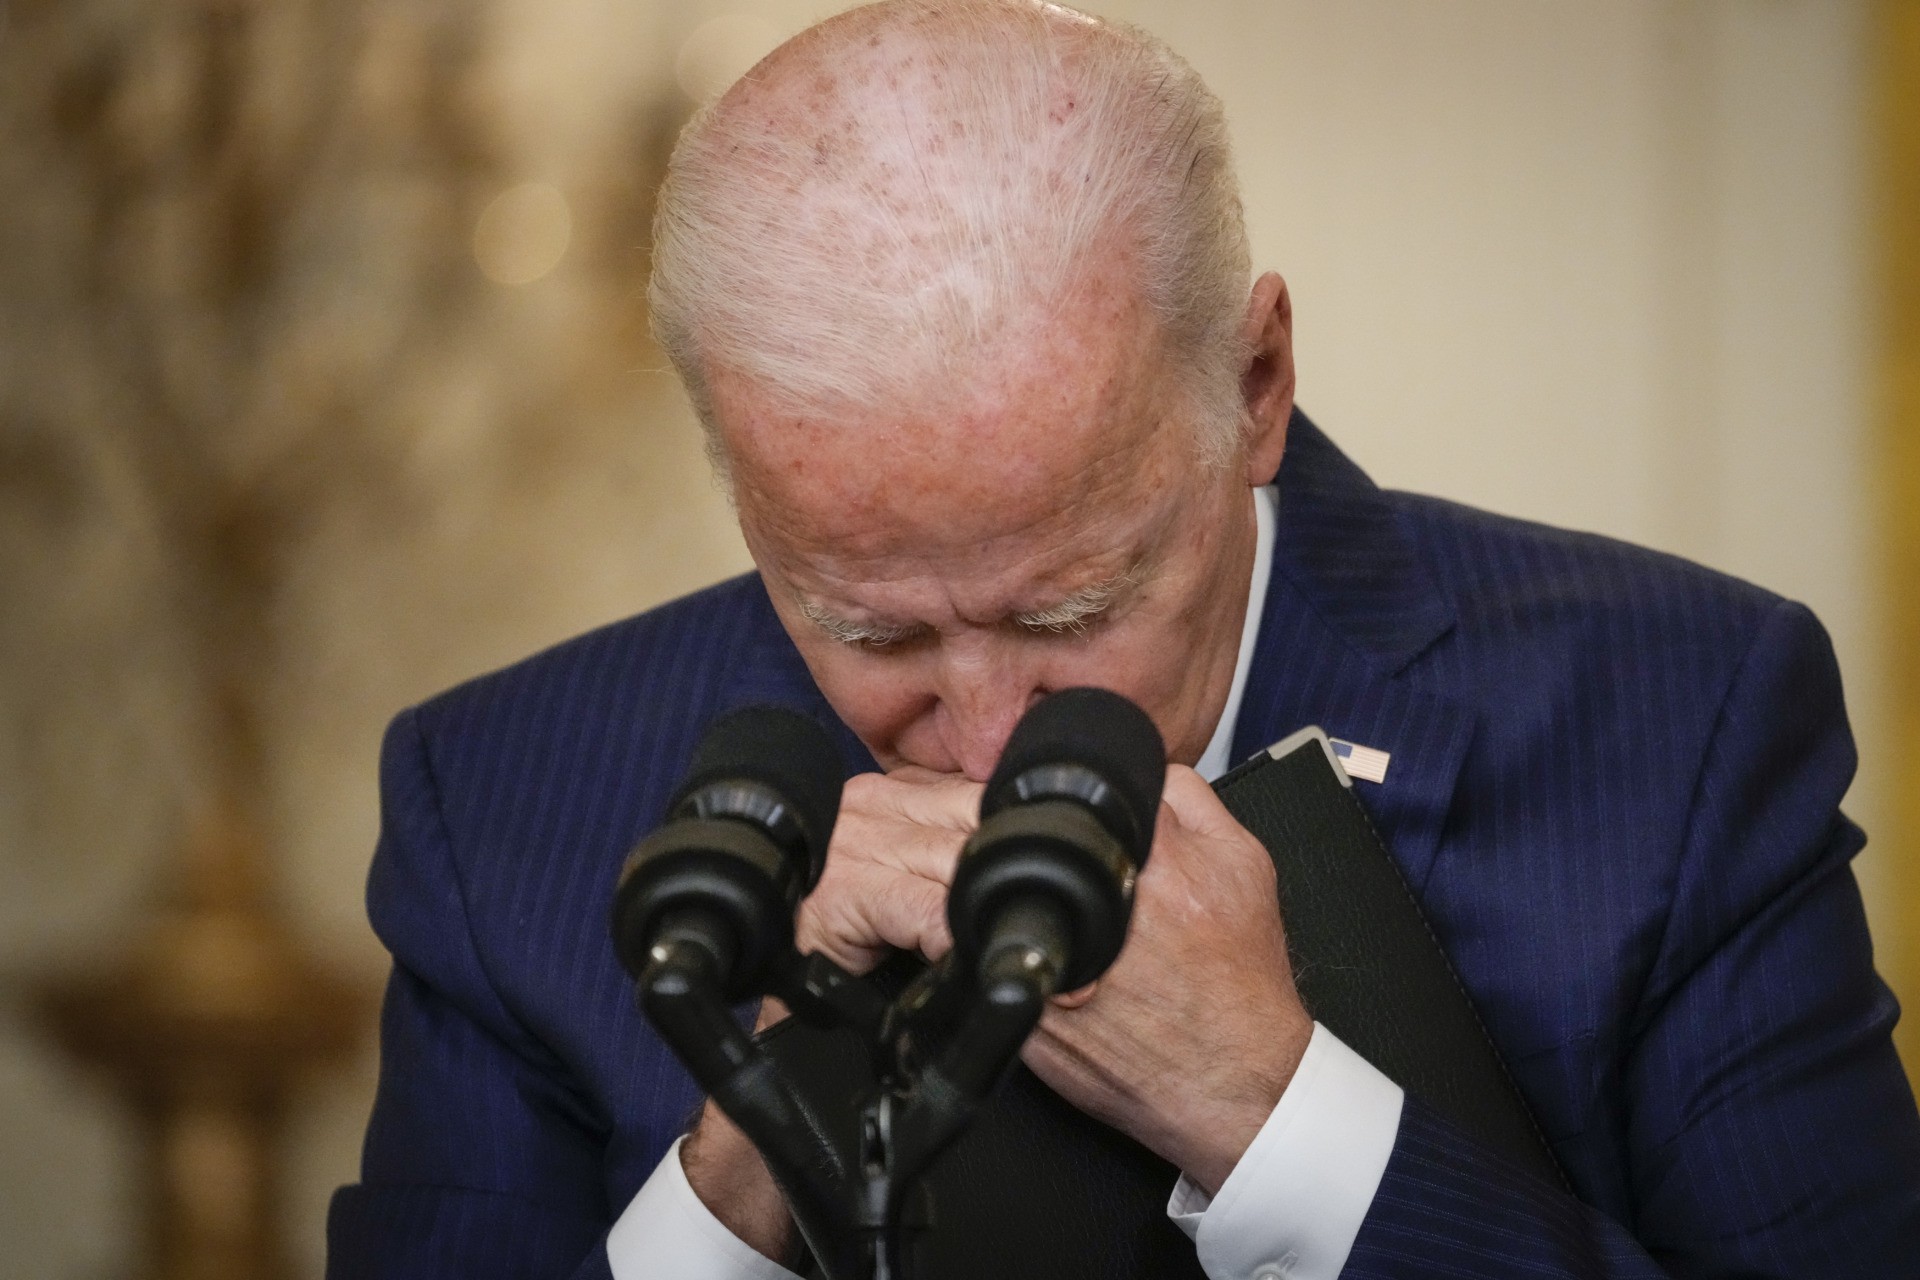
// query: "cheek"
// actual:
[[881, 699], [1157, 656], [1143, 660]]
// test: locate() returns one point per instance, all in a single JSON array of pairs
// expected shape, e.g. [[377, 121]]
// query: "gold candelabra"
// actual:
[[207, 150], [271, 212]]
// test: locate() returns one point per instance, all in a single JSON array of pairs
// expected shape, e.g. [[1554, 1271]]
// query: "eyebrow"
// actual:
[[1071, 613], [847, 631], [1075, 611]]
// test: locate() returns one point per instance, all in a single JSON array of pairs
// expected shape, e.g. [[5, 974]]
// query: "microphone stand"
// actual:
[[1040, 900], [939, 1049]]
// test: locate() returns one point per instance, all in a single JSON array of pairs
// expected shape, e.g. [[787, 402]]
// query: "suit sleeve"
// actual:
[[1770, 1128], [478, 1164]]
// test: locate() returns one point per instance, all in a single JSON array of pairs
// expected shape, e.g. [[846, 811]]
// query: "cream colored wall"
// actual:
[[1590, 263], [1599, 265]]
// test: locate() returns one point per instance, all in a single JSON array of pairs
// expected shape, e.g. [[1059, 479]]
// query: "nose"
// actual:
[[984, 691]]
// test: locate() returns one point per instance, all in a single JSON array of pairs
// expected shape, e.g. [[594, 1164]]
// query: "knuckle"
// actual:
[[860, 789], [1183, 779]]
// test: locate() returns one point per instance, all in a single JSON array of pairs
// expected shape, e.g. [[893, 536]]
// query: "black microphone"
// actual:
[[1066, 822], [744, 840]]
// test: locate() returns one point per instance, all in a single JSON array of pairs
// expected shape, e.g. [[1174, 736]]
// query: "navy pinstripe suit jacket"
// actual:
[[1614, 788]]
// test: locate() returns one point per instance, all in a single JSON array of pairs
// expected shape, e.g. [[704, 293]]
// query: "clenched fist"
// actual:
[[1186, 1044]]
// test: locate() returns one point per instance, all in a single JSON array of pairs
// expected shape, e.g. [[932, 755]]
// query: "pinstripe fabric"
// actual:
[[1614, 787]]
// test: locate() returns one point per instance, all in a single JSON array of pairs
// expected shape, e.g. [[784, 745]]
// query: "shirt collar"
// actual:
[[1217, 758]]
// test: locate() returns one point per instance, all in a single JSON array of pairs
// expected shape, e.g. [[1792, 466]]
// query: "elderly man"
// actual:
[[961, 293]]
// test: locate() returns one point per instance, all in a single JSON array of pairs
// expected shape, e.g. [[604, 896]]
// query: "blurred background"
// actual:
[[324, 384]]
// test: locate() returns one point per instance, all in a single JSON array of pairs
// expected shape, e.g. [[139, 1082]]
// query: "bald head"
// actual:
[[900, 200]]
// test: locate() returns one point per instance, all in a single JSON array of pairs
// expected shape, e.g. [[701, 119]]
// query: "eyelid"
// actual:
[[1075, 614], [1078, 623], [866, 636], [881, 637], [859, 634], [1081, 609]]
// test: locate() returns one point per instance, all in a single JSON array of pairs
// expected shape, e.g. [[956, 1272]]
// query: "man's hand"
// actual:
[[725, 1170], [888, 869], [1189, 1040], [884, 887]]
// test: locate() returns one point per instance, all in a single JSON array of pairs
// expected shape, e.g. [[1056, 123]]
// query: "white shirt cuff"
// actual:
[[666, 1233], [1291, 1208]]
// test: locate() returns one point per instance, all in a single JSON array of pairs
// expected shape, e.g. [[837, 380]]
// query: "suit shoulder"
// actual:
[[1510, 577], [681, 649]]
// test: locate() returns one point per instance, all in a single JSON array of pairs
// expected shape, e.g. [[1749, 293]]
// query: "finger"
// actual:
[[918, 795], [855, 921], [887, 841], [1196, 805], [1074, 999], [920, 773]]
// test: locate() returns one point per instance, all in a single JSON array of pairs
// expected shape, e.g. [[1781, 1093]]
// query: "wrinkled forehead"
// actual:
[[1064, 415], [910, 186]]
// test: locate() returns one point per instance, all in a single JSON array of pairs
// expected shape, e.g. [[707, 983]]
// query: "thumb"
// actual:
[[1196, 806]]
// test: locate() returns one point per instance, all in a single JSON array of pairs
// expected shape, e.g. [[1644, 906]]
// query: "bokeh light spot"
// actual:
[[523, 233], [720, 51]]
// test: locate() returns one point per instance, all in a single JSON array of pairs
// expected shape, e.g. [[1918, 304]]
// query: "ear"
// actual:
[[1266, 384]]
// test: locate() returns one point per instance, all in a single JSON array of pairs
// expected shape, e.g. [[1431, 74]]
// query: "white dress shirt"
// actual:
[[1289, 1210]]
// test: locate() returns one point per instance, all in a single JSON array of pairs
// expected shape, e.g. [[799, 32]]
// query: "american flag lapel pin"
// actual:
[[1369, 764]]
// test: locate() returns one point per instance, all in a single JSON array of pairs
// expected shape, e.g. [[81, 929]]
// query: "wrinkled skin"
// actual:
[[1069, 466]]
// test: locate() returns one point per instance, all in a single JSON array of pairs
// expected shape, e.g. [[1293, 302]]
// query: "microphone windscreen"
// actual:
[[782, 749], [1097, 729]]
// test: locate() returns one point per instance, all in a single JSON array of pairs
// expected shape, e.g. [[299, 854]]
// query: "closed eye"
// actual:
[[1049, 624], [1079, 611], [863, 635], [886, 639]]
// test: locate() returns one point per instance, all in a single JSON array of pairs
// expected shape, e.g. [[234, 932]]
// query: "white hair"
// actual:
[[899, 189]]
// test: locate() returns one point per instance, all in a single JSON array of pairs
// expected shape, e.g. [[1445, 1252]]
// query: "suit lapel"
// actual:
[[1352, 627]]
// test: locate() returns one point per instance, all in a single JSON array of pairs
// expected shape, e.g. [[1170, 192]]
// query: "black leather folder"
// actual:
[[1036, 1189]]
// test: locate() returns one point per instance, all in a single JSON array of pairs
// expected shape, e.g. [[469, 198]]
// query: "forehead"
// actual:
[[1070, 415]]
